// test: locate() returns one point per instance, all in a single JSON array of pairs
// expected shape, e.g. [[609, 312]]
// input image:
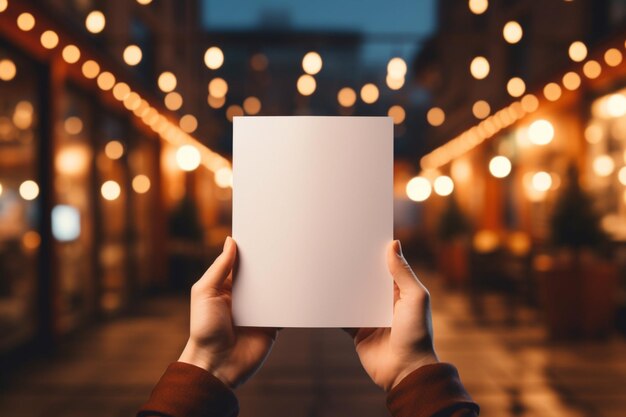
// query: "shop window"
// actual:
[[20, 207]]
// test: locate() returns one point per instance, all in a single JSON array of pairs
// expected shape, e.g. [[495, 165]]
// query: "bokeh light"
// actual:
[[106, 81], [512, 32], [552, 91], [443, 185], [369, 93], [167, 81], [173, 101], [71, 54], [252, 105], [479, 67], [218, 87], [110, 190], [306, 85], [541, 132], [224, 177], [8, 70], [500, 166], [26, 22], [541, 181], [418, 189], [114, 149], [90, 69], [577, 51], [188, 123], [481, 109], [603, 165], [188, 158], [435, 116], [132, 55], [397, 113], [613, 57], [29, 190], [95, 21], [478, 6], [312, 63], [49, 39], [213, 58], [346, 97], [233, 111], [516, 87], [571, 80], [592, 69], [141, 184], [396, 68]]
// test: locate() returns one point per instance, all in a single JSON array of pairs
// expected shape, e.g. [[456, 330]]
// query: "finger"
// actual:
[[270, 332], [217, 273], [399, 268]]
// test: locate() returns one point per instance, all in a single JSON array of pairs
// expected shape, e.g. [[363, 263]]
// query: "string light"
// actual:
[[306, 85], [188, 123], [213, 58], [397, 113], [577, 51], [132, 55], [516, 87], [49, 39], [592, 69], [121, 91], [167, 81], [443, 185], [218, 87], [613, 57], [552, 91], [312, 63], [418, 189], [394, 83], [29, 190], [141, 184], [26, 22], [252, 105], [571, 81], [481, 109], [512, 32], [3, 6], [346, 97], [110, 190], [369, 93], [435, 116], [478, 6], [173, 101], [541, 132], [95, 22], [71, 54], [90, 69], [500, 166], [530, 103], [188, 158], [8, 70], [479, 67], [106, 80], [396, 68]]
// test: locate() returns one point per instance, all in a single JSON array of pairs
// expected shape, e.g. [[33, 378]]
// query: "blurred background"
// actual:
[[510, 190]]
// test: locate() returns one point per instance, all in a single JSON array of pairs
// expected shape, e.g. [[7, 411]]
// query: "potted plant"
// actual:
[[578, 282], [453, 230]]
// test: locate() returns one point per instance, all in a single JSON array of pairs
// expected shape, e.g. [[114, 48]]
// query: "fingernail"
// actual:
[[397, 247]]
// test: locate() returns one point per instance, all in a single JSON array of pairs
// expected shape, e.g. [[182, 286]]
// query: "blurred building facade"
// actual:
[[521, 91], [90, 178]]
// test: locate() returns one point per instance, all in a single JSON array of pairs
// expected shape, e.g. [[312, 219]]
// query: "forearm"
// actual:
[[431, 390], [185, 390]]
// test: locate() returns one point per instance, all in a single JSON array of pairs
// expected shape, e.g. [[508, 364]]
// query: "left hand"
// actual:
[[232, 354]]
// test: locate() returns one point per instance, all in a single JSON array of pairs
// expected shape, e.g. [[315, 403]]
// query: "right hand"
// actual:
[[390, 354]]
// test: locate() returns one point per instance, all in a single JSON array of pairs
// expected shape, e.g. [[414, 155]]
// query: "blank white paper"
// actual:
[[312, 218]]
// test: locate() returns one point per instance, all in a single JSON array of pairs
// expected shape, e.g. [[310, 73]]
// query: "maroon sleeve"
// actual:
[[429, 391], [188, 391]]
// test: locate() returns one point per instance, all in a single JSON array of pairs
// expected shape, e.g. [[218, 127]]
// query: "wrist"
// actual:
[[202, 358], [427, 360]]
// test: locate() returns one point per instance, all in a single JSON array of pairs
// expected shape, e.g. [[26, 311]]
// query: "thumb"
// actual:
[[217, 273], [399, 268]]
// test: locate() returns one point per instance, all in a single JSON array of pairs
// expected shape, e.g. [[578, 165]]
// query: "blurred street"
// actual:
[[110, 369]]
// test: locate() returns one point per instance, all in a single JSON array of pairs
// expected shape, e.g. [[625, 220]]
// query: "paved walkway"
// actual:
[[109, 370]]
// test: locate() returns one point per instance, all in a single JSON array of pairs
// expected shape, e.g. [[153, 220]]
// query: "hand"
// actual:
[[390, 354], [232, 354]]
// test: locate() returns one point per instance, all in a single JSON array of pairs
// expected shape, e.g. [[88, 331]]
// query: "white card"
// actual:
[[312, 218]]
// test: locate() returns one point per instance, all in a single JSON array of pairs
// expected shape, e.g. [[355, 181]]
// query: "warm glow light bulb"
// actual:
[[132, 55], [500, 166], [369, 93], [110, 190], [306, 85], [71, 54], [512, 32], [167, 81], [478, 6], [26, 22], [418, 189], [49, 39], [577, 51], [188, 158], [443, 185], [479, 67], [312, 63], [213, 58], [396, 68], [95, 21], [346, 97], [516, 87], [541, 132], [29, 190]]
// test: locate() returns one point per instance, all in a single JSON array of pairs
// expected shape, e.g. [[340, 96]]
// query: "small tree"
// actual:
[[575, 224], [453, 223]]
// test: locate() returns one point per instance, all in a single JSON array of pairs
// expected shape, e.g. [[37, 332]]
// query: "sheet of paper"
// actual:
[[312, 217]]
